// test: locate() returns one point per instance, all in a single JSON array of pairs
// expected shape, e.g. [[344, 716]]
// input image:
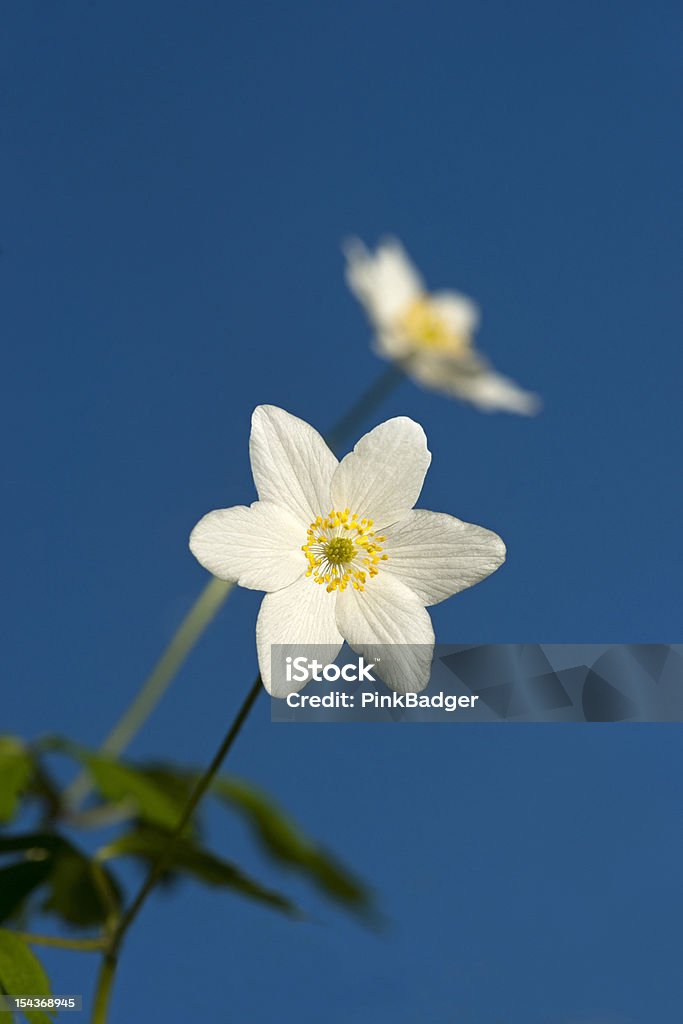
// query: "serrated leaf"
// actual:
[[149, 844], [286, 843], [22, 974], [16, 768]]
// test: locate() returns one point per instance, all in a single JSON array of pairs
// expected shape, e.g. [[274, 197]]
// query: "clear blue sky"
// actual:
[[177, 179]]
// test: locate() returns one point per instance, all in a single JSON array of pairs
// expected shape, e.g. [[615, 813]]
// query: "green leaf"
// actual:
[[118, 782], [16, 768], [286, 843], [75, 893], [178, 785], [74, 890], [148, 844], [280, 837], [18, 881], [22, 974]]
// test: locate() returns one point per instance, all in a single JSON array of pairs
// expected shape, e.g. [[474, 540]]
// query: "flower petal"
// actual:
[[384, 282], [388, 624], [258, 547], [474, 382], [392, 344], [459, 312], [301, 614], [291, 463], [437, 555], [491, 392], [382, 477]]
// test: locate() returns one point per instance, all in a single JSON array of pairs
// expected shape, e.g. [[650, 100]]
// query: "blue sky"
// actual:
[[177, 183]]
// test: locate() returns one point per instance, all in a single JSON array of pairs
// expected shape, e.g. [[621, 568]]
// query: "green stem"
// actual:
[[105, 980], [153, 689], [365, 404], [200, 789], [109, 964]]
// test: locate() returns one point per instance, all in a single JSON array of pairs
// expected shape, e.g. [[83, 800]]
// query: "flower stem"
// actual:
[[153, 689], [109, 964], [364, 405], [105, 980]]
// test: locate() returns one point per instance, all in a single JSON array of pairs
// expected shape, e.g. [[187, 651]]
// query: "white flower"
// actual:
[[338, 547], [430, 334]]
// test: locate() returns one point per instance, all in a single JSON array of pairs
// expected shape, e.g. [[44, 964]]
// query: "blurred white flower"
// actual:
[[430, 334], [339, 548]]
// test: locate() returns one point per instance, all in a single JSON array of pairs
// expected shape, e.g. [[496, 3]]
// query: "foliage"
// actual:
[[56, 869], [21, 973], [15, 772]]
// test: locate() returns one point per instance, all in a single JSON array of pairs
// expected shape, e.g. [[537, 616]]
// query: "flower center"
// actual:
[[342, 549], [427, 328]]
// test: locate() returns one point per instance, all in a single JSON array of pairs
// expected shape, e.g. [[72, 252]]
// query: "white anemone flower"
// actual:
[[339, 547], [430, 335]]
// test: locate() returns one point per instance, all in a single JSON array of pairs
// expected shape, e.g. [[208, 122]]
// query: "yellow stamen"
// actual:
[[342, 549], [427, 328]]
